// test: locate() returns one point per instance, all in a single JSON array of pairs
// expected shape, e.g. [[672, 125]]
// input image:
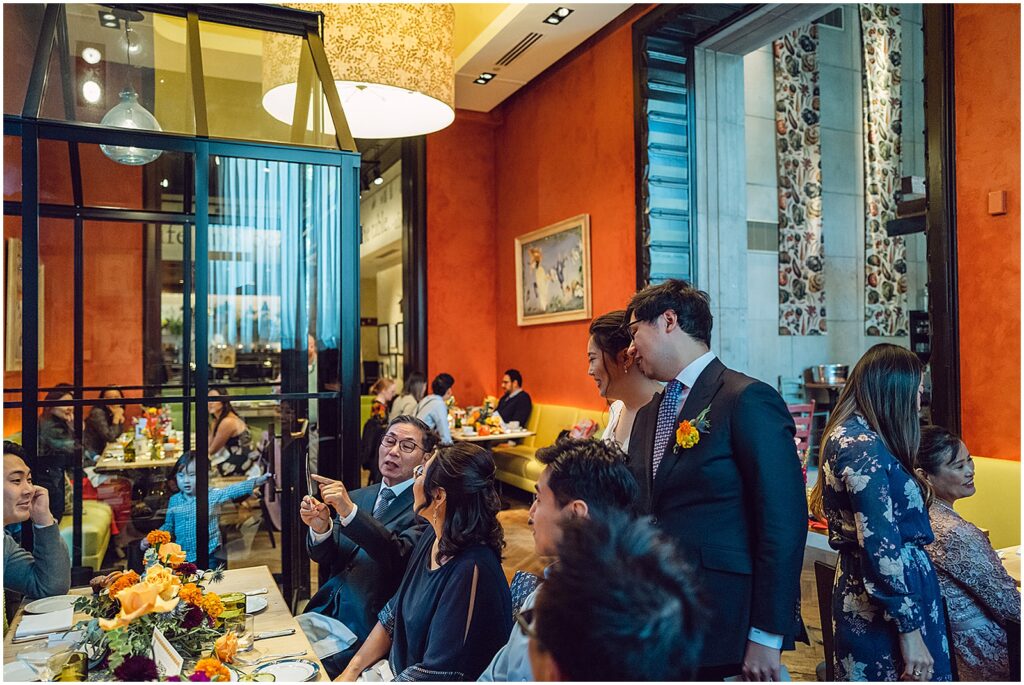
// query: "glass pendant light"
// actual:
[[130, 114]]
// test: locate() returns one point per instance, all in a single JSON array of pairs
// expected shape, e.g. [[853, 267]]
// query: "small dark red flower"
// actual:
[[136, 669], [193, 617], [186, 569], [199, 677]]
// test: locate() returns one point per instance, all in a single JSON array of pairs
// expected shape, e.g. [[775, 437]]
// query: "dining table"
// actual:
[[1010, 556], [275, 618], [112, 458], [492, 437]]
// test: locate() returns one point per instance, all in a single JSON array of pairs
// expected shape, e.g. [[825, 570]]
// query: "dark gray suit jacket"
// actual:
[[735, 506], [367, 558]]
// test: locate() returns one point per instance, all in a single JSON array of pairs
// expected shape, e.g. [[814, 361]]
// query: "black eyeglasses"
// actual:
[[631, 328], [404, 446], [524, 619]]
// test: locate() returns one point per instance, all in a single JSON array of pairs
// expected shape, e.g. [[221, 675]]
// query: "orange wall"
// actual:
[[987, 93], [564, 146], [461, 259], [112, 285]]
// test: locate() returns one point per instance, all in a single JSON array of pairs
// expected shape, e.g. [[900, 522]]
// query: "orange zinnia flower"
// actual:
[[192, 594], [213, 669], [125, 580], [138, 600], [687, 436], [158, 537], [212, 605]]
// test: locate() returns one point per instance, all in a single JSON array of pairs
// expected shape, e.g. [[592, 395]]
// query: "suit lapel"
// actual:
[[700, 397]]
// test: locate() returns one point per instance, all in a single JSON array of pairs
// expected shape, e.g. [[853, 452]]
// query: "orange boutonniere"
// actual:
[[688, 433]]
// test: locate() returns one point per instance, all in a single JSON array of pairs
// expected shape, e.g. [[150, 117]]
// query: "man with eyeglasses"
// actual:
[[366, 541], [581, 479]]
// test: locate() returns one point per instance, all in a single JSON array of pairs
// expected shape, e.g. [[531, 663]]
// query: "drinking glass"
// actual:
[[243, 626]]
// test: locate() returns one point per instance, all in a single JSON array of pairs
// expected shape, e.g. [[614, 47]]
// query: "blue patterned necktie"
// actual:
[[387, 495], [667, 414]]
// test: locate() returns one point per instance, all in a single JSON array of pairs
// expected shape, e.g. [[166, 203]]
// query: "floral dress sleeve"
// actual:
[[864, 477]]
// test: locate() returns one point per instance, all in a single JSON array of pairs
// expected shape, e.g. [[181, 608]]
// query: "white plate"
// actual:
[[48, 604], [19, 672], [254, 605], [290, 670]]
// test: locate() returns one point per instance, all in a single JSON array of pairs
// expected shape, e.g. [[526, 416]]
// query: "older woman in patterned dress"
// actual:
[[980, 594], [887, 613]]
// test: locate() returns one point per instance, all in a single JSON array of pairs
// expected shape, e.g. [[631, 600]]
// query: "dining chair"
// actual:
[[824, 581], [803, 417]]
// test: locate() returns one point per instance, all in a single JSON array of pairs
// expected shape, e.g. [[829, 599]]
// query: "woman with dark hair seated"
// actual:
[[980, 595], [231, 450], [453, 610], [104, 423], [56, 449]]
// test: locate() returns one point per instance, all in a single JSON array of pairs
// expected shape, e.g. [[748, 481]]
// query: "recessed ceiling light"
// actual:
[[377, 181], [109, 17], [91, 55], [165, 183], [558, 15], [92, 92], [484, 78]]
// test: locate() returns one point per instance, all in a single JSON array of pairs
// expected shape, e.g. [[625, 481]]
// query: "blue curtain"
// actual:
[[274, 252]]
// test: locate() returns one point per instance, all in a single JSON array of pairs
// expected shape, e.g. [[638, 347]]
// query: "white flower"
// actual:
[[913, 493], [855, 480], [854, 669], [907, 608], [890, 566], [830, 477], [934, 613], [862, 526], [888, 511], [859, 604]]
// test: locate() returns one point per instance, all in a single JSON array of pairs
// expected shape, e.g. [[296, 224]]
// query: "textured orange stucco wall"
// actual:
[[461, 251], [987, 93], [561, 146]]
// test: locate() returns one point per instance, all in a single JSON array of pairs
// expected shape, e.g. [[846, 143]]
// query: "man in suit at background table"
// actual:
[[726, 485], [368, 540]]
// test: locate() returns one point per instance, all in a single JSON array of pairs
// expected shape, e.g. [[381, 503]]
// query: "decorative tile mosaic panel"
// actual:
[[798, 159], [885, 258]]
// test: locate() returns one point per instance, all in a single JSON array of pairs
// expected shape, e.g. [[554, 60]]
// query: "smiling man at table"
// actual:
[[367, 544], [46, 571]]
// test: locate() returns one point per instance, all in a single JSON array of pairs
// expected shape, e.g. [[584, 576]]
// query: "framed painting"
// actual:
[[553, 273], [383, 339]]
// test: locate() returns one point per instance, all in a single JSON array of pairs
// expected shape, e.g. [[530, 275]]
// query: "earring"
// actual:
[[434, 518], [625, 369]]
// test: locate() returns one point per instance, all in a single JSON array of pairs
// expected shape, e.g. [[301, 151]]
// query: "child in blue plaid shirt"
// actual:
[[181, 510]]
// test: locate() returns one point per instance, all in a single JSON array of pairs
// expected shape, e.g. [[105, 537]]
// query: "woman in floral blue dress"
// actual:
[[887, 614]]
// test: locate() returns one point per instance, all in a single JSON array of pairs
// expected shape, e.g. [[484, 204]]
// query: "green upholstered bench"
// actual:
[[517, 465], [996, 505], [96, 518]]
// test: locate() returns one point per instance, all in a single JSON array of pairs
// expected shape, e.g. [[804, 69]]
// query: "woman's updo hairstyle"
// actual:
[[466, 472], [610, 334], [939, 447]]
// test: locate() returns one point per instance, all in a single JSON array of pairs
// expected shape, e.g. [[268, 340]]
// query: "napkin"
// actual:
[[41, 624], [327, 635]]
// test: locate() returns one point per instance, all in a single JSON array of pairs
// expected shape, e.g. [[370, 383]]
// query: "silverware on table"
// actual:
[[251, 593], [274, 633], [30, 638], [273, 657]]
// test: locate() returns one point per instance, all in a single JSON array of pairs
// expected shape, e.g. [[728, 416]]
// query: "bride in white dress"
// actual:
[[618, 380]]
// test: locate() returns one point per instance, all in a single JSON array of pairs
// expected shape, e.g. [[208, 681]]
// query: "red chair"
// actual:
[[803, 417]]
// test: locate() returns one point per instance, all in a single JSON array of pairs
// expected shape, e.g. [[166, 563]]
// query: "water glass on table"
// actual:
[[243, 626]]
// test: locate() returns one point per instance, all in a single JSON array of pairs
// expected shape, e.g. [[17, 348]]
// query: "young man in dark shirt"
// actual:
[[515, 404]]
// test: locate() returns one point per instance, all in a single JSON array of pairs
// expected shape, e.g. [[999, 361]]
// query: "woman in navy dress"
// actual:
[[887, 614], [453, 610]]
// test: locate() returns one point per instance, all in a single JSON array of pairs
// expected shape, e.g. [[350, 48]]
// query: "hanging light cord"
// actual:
[[128, 46]]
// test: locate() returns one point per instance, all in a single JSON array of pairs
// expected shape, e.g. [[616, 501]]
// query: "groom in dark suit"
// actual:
[[726, 485], [368, 540]]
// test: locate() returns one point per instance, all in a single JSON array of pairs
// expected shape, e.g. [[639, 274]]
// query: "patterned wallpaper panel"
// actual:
[[885, 258], [798, 161]]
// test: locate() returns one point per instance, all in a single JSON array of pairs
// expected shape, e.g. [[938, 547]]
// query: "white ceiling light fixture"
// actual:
[[393, 66], [92, 55], [91, 92]]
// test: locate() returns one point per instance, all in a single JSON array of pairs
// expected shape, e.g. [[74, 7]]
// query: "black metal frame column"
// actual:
[[414, 253], [940, 164]]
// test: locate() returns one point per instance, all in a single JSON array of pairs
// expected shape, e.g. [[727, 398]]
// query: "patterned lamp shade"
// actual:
[[393, 65]]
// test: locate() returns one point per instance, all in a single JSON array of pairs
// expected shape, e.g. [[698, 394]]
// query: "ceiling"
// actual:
[[514, 43]]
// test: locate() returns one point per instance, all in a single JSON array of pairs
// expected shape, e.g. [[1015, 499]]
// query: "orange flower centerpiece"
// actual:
[[170, 596]]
